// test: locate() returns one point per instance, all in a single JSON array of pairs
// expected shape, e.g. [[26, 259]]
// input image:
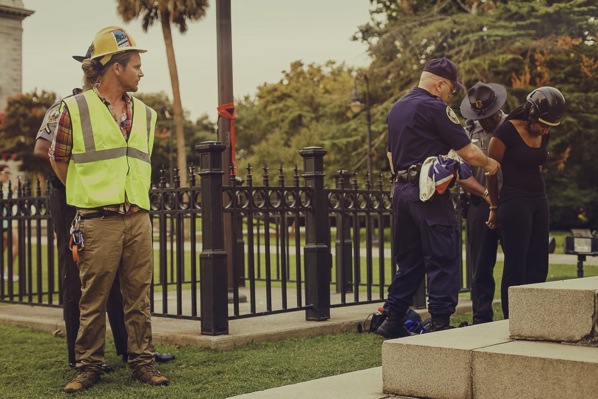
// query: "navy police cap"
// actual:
[[445, 68]]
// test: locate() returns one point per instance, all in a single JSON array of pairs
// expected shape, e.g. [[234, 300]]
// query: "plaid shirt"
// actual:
[[62, 145]]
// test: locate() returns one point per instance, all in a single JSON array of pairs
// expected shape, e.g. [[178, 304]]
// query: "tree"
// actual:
[[521, 45], [168, 12], [22, 118], [163, 159], [308, 106]]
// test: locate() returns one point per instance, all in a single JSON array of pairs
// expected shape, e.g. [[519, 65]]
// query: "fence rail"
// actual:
[[295, 246]]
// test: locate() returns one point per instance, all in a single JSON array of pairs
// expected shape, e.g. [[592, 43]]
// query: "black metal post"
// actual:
[[224, 57], [369, 123], [213, 259], [580, 260], [357, 106], [343, 259], [318, 259]]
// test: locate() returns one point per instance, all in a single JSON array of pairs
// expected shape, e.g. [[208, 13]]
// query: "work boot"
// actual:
[[439, 323], [82, 380], [393, 326], [150, 375]]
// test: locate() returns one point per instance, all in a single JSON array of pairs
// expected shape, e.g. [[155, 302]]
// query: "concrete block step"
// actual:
[[561, 311], [437, 365], [525, 369]]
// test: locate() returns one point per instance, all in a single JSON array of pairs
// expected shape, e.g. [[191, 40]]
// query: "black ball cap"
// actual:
[[445, 68], [80, 58]]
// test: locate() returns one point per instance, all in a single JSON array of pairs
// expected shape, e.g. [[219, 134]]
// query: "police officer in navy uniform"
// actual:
[[62, 215], [425, 234], [482, 108]]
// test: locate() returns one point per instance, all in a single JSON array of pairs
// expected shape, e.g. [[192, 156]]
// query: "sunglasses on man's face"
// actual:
[[453, 89]]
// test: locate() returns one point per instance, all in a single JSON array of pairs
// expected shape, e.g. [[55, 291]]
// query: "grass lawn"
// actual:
[[34, 363], [34, 366]]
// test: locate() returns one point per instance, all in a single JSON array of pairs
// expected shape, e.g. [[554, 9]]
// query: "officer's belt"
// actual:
[[95, 213], [56, 183], [409, 175]]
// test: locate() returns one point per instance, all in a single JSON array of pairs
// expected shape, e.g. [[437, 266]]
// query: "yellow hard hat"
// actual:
[[111, 40]]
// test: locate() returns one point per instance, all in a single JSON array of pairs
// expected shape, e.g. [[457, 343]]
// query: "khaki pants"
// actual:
[[116, 246]]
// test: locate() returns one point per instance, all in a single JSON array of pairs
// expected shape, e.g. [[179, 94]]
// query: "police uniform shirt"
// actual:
[[421, 125], [46, 132], [48, 126], [481, 139]]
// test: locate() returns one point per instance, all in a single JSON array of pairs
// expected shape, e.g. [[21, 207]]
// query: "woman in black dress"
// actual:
[[521, 208]]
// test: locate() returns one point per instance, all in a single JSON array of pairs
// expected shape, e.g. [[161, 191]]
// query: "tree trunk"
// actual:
[[176, 100]]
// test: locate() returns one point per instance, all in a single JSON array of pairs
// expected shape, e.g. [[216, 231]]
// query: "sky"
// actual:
[[267, 35]]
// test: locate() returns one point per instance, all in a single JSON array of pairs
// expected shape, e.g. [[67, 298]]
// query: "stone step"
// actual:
[[482, 362], [437, 365], [561, 311], [525, 369]]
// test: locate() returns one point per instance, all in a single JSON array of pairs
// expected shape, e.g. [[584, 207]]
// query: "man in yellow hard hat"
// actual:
[[101, 152], [62, 215]]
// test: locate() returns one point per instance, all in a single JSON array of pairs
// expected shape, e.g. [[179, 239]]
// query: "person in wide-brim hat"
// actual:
[[483, 100]]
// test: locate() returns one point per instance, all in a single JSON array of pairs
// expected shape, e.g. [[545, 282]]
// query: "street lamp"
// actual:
[[356, 106], [168, 117]]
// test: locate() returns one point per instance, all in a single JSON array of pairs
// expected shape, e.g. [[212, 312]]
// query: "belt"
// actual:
[[94, 214], [409, 175], [56, 183]]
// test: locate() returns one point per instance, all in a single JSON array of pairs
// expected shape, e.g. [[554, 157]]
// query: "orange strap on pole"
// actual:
[[228, 111]]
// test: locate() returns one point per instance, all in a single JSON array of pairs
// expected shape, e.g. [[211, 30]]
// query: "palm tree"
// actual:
[[168, 12]]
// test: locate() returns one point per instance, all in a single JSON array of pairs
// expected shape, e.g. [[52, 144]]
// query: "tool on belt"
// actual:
[[409, 175], [76, 240]]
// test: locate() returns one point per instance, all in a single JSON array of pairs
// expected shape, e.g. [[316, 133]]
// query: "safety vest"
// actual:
[[104, 167]]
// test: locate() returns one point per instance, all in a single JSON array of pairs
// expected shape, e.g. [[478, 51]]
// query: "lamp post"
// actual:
[[356, 107]]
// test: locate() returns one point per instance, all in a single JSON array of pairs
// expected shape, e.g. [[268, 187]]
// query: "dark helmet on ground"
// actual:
[[546, 105]]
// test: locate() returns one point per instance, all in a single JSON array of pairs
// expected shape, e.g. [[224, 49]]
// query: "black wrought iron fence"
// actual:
[[294, 244]]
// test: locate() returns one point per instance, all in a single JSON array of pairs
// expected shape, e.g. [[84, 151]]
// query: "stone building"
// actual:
[[12, 14]]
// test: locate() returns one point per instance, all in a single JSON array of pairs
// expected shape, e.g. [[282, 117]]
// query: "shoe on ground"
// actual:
[[106, 368], [434, 327], [150, 375], [82, 380], [393, 327], [158, 357], [164, 357]]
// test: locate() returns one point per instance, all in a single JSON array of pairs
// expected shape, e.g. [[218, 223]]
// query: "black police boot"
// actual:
[[393, 326], [439, 323]]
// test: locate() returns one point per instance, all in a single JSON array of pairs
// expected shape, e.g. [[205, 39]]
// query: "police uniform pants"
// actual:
[[62, 215], [425, 242], [525, 229], [482, 245], [120, 247]]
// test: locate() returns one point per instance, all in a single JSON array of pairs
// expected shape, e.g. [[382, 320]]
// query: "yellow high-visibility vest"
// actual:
[[104, 167]]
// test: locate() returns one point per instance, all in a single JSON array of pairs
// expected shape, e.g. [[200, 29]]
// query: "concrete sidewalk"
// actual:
[[243, 331]]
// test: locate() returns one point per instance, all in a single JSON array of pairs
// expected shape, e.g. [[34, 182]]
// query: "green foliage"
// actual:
[[521, 45], [19, 124], [309, 106], [164, 153]]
